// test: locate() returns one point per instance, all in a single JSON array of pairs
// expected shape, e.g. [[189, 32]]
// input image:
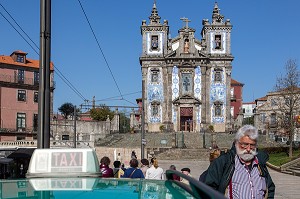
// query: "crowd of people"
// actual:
[[240, 172]]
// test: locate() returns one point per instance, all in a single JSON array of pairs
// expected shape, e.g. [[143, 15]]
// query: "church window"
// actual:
[[218, 76], [218, 42], [154, 75], [154, 42], [218, 109], [154, 110]]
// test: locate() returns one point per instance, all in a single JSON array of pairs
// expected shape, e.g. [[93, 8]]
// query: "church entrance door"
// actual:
[[186, 119]]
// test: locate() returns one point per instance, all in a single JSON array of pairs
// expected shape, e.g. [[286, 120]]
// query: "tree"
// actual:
[[66, 109], [124, 123], [287, 100], [101, 113]]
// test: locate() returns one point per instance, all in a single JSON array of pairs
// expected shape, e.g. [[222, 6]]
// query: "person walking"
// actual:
[[155, 172], [175, 177], [133, 171], [144, 166], [242, 171], [118, 172], [186, 171], [104, 168]]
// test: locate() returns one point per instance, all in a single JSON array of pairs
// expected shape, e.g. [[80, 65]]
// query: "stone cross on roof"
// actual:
[[186, 20]]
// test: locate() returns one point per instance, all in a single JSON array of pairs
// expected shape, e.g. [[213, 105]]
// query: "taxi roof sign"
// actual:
[[72, 162]]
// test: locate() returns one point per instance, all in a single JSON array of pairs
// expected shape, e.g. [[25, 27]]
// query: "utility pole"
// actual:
[[143, 121], [75, 137], [43, 140]]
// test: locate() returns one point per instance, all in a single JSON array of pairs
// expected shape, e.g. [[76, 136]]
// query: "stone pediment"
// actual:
[[186, 99]]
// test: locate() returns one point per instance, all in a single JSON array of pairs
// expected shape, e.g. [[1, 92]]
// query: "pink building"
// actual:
[[19, 85]]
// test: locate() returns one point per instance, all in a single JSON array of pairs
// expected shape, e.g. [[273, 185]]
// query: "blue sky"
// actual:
[[265, 35]]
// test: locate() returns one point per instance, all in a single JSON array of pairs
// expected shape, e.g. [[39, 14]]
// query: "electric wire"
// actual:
[[100, 49], [57, 71]]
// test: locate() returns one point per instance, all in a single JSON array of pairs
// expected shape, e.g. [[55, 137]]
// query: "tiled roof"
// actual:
[[265, 98], [236, 82], [29, 62]]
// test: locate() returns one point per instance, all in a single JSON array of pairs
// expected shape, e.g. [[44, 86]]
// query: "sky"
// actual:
[[264, 37]]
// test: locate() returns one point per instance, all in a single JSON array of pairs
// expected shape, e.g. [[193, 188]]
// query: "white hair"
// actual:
[[247, 130]]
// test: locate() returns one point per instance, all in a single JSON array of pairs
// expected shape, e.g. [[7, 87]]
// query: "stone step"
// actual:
[[294, 172]]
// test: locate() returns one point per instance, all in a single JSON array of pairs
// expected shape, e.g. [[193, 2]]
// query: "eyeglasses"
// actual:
[[245, 145]]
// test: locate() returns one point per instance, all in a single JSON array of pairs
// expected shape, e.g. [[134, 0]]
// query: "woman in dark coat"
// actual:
[[104, 168]]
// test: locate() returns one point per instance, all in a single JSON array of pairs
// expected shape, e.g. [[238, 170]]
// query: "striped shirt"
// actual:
[[247, 182]]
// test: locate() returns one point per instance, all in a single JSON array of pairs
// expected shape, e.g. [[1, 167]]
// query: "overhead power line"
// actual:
[[100, 49], [57, 71]]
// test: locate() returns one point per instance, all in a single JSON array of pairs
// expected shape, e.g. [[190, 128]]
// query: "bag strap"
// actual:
[[230, 189], [132, 173]]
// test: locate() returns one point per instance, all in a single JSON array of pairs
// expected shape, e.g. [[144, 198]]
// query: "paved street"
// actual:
[[287, 186]]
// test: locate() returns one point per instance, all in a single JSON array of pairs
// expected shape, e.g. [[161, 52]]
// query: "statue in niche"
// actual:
[[218, 42], [186, 46]]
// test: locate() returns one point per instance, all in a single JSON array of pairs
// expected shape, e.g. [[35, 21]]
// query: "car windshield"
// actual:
[[61, 188]]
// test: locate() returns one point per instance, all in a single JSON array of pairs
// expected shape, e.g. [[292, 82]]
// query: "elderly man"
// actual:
[[242, 172]]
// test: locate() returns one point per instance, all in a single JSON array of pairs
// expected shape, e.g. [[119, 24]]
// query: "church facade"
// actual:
[[186, 81]]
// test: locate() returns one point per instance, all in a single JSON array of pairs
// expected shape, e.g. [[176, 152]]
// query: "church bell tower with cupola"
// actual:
[[186, 81]]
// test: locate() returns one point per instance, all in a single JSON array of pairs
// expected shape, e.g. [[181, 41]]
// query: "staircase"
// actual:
[[292, 168]]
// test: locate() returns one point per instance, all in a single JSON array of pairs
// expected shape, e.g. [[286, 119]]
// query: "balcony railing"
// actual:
[[25, 81]]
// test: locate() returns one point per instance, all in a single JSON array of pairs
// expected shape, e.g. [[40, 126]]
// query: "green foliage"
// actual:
[[100, 114], [124, 123], [211, 128], [162, 128], [66, 109], [281, 158]]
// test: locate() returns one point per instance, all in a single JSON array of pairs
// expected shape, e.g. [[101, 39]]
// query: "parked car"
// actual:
[[295, 144], [281, 139]]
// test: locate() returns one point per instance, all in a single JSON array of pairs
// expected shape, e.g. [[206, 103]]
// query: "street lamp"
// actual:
[[202, 130]]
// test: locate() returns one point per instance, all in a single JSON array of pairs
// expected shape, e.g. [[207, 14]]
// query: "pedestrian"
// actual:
[[242, 171], [154, 172], [133, 155], [104, 167], [144, 166], [118, 172], [133, 171], [186, 171], [175, 177], [119, 157], [212, 156]]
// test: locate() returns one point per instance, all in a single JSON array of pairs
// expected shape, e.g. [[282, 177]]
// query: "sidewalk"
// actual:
[[287, 186]]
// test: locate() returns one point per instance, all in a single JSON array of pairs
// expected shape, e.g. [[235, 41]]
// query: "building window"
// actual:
[[20, 58], [154, 76], [218, 42], [154, 110], [35, 122], [273, 119], [218, 109], [36, 97], [154, 42], [263, 117], [273, 102], [218, 76], [21, 121], [65, 137], [22, 95], [21, 76], [36, 78]]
